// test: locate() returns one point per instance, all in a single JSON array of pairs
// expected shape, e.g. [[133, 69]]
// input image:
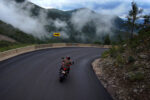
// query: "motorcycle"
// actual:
[[63, 74]]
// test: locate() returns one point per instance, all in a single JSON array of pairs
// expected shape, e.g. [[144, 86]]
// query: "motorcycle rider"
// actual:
[[66, 63]]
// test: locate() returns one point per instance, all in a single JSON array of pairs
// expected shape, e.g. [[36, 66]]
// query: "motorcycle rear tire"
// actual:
[[61, 79]]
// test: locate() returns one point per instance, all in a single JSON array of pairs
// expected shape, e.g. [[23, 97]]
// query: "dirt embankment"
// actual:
[[5, 38], [119, 83]]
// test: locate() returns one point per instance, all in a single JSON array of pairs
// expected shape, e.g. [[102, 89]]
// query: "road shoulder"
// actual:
[[98, 69]]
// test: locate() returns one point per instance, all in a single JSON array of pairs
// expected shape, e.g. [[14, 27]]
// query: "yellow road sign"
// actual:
[[56, 34]]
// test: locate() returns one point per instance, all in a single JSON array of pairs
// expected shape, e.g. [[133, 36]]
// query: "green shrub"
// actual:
[[107, 40], [105, 54], [134, 43], [121, 49], [5, 44], [137, 76], [120, 59], [97, 42], [12, 46], [114, 43], [131, 59], [133, 67], [113, 52]]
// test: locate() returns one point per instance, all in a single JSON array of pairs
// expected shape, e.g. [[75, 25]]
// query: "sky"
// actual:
[[116, 7]]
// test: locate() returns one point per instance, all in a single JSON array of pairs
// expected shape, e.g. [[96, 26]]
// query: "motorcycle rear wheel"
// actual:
[[61, 79]]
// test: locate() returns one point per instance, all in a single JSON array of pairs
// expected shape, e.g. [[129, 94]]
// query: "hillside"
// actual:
[[11, 38], [71, 26], [16, 34], [6, 38], [125, 69]]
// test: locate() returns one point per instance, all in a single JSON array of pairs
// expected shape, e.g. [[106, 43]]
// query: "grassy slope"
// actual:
[[19, 36], [22, 39]]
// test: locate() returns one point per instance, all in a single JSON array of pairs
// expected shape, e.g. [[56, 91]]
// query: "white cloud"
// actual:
[[14, 15], [59, 24], [81, 18], [103, 23], [118, 10]]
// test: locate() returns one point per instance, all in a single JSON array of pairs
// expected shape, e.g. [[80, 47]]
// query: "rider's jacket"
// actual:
[[66, 63]]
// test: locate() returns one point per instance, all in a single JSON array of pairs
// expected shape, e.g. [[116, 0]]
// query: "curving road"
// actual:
[[34, 76]]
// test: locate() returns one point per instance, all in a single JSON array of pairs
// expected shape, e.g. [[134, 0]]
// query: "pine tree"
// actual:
[[133, 15], [107, 40]]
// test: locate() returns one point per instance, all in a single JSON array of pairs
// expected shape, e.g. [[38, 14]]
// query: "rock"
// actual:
[[114, 86], [143, 86], [143, 56], [120, 98], [121, 91], [136, 62], [135, 90], [124, 45], [147, 65], [141, 90]]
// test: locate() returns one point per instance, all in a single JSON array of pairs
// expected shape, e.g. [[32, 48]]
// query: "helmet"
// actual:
[[68, 57]]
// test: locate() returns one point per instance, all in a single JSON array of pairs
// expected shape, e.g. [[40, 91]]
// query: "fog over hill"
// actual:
[[79, 25]]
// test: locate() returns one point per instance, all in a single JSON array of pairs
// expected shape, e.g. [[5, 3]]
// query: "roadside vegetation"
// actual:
[[5, 45], [127, 64]]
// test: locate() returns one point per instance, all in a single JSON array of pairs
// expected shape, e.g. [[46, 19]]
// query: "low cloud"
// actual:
[[103, 23], [118, 10], [80, 18], [12, 13], [59, 24]]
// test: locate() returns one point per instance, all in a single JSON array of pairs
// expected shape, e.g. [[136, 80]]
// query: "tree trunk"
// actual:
[[133, 23]]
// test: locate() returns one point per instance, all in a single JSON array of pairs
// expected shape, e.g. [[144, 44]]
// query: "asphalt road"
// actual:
[[34, 76]]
